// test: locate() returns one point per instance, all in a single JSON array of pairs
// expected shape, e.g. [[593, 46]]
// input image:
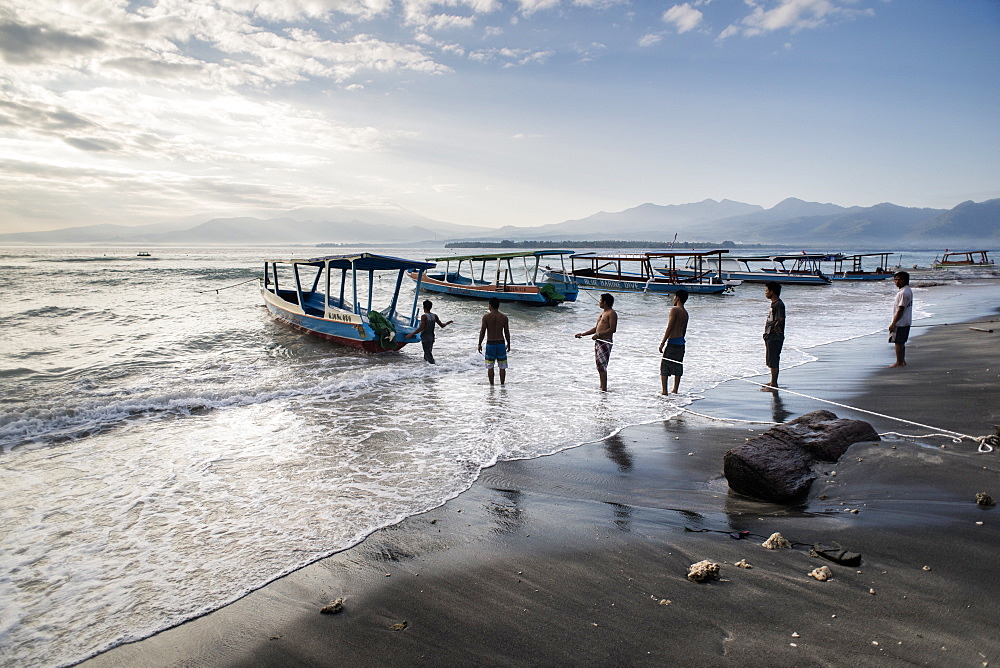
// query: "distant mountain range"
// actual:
[[791, 221]]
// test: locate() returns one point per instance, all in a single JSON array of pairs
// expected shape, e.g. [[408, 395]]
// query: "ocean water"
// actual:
[[166, 448]]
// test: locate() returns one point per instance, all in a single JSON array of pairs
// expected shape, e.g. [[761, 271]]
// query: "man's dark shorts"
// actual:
[[673, 352], [773, 356], [900, 336]]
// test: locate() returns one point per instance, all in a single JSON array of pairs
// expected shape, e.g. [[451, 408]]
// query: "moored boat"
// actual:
[[963, 259], [510, 277], [634, 272], [852, 267], [333, 298], [800, 269]]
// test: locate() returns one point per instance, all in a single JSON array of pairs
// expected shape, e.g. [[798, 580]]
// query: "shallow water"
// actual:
[[164, 449]]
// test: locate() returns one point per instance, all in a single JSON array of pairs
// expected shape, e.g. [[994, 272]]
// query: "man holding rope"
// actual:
[[603, 335]]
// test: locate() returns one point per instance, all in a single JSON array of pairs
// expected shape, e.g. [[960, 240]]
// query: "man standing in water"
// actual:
[[428, 322], [603, 335], [774, 333], [673, 339], [902, 316], [496, 330]]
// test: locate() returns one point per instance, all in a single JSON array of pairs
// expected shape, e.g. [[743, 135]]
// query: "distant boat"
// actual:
[[963, 259], [800, 269], [334, 297], [857, 272], [143, 254], [510, 277], [635, 273]]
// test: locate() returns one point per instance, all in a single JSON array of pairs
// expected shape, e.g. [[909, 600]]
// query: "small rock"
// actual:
[[776, 542], [871, 591], [823, 573], [703, 571], [984, 499], [795, 635], [854, 511], [927, 568], [664, 601], [333, 608], [742, 563], [402, 625]]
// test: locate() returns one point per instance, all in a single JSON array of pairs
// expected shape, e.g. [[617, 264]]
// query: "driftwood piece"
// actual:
[[777, 465]]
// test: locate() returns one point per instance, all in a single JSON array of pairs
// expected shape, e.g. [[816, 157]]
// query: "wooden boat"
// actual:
[[851, 267], [510, 277], [634, 273], [801, 269], [298, 294], [143, 254], [963, 259]]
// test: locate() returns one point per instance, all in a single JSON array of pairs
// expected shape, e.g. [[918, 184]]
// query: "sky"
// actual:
[[489, 112]]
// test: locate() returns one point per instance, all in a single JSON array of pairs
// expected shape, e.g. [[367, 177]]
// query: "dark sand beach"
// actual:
[[580, 558]]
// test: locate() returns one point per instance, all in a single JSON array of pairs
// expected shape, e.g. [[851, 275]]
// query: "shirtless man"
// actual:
[[603, 335], [673, 339], [496, 330]]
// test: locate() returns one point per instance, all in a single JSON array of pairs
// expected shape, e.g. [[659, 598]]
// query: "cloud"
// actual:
[[650, 39], [683, 17], [448, 21], [792, 15], [510, 57], [24, 43]]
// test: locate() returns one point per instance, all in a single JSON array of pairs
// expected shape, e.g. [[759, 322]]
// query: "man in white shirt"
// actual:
[[902, 312]]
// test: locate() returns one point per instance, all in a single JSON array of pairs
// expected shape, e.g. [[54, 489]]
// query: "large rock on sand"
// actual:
[[777, 465]]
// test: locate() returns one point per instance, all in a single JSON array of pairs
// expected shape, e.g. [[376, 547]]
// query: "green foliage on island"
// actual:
[[607, 243]]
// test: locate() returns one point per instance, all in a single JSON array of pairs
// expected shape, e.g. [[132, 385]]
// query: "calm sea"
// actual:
[[165, 448]]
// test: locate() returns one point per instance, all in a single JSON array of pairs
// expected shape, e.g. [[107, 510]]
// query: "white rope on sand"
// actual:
[[985, 443]]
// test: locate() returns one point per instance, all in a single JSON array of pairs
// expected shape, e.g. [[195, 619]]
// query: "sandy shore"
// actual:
[[581, 558]]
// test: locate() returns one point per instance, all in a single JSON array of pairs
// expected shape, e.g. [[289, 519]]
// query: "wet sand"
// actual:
[[580, 558]]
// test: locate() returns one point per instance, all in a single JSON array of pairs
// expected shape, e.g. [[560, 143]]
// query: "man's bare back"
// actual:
[[496, 327]]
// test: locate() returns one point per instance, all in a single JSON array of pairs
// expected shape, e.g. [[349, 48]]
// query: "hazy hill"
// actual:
[[793, 221], [304, 225], [646, 221], [968, 223]]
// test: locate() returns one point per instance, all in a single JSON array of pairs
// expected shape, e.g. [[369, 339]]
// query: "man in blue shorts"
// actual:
[[496, 331]]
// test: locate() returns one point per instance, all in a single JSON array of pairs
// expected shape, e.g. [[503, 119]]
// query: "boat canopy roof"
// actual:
[[787, 258], [500, 256], [646, 256], [975, 252], [362, 261]]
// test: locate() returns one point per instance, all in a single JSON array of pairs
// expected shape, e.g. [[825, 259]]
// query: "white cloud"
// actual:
[[683, 17], [529, 7], [792, 15], [510, 57], [448, 21], [650, 39]]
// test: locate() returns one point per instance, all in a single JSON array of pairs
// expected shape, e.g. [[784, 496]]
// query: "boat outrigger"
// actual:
[[963, 259], [292, 293], [851, 267], [510, 277], [606, 272]]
